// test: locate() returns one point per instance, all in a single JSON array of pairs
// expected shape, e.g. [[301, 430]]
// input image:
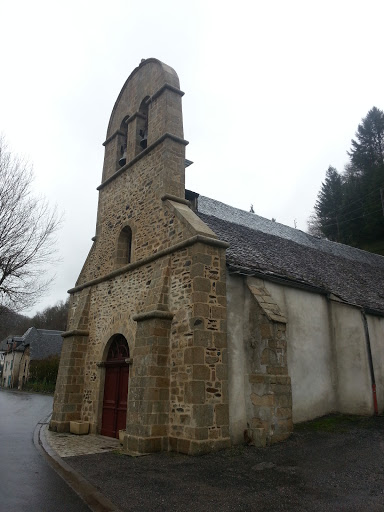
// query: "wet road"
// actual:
[[28, 483]]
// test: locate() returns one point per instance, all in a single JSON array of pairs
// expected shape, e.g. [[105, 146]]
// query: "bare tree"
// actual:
[[27, 234], [313, 226]]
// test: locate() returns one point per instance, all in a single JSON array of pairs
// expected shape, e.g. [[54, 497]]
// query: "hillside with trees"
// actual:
[[349, 206], [54, 317]]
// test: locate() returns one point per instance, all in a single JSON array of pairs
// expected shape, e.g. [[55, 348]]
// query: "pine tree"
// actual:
[[368, 151], [349, 207], [329, 203], [367, 164]]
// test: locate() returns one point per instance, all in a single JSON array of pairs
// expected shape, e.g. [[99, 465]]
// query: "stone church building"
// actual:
[[194, 325]]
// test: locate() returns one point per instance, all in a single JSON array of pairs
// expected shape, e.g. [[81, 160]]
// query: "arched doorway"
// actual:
[[115, 388]]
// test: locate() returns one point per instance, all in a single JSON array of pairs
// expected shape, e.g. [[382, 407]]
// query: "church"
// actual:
[[193, 325]]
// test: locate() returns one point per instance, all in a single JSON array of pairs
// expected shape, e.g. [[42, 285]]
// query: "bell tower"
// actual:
[[147, 111], [154, 276]]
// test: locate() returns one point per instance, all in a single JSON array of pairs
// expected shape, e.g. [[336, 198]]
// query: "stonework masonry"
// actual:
[[168, 301], [194, 325], [270, 393], [156, 277]]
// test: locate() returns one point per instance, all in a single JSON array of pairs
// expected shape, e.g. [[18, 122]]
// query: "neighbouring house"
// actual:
[[44, 346], [194, 325], [12, 358], [22, 351], [3, 349]]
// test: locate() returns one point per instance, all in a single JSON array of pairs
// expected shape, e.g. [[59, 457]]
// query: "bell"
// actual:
[[143, 142], [123, 159], [143, 135]]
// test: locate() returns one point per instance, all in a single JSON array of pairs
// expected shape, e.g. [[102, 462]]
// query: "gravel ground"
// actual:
[[335, 467]]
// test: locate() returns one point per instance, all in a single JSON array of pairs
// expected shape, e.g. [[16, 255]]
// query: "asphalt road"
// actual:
[[338, 468], [28, 483]]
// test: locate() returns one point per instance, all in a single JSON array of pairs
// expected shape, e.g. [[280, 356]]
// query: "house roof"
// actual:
[[48, 343], [264, 247], [42, 342], [4, 344], [7, 342]]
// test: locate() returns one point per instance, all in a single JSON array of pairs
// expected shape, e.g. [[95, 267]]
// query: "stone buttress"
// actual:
[[268, 391], [155, 275]]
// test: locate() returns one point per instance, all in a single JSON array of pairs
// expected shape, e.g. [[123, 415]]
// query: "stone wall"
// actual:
[[134, 199], [199, 419], [269, 403]]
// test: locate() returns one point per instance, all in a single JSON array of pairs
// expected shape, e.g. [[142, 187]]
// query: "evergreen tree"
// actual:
[[367, 162], [368, 151], [329, 203], [348, 207]]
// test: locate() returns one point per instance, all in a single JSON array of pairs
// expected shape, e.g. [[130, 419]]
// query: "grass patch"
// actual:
[[40, 387], [118, 452], [376, 247], [337, 423]]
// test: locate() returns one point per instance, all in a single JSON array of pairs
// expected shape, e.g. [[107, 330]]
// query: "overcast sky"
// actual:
[[274, 92]]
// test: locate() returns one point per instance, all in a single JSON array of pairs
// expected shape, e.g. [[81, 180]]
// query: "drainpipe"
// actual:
[[370, 361]]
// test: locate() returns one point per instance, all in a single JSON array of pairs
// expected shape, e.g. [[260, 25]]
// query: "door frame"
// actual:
[[96, 428], [115, 364]]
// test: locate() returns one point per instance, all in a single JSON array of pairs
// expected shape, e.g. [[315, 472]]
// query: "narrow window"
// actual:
[[142, 126], [122, 142], [124, 247]]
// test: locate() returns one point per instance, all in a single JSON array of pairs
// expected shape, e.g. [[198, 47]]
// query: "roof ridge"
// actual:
[[223, 211]]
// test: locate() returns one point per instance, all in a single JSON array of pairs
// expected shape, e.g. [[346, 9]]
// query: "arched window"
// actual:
[[118, 351], [124, 247], [142, 126]]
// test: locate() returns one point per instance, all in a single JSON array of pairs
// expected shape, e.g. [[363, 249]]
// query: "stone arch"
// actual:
[[109, 345], [119, 325]]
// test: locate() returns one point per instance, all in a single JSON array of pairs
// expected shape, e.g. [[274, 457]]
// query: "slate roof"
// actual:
[[263, 247], [8, 341], [48, 343], [42, 342], [4, 344]]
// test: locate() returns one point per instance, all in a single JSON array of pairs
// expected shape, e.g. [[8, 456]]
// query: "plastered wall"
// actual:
[[327, 354]]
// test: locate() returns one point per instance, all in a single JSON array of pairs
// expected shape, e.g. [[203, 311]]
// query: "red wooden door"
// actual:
[[115, 389], [121, 406]]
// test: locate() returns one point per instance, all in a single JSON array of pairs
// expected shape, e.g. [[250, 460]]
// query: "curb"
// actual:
[[86, 491]]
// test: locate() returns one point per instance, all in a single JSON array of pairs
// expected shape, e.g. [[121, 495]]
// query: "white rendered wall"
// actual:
[[376, 334], [327, 354], [354, 381], [310, 351], [237, 368]]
